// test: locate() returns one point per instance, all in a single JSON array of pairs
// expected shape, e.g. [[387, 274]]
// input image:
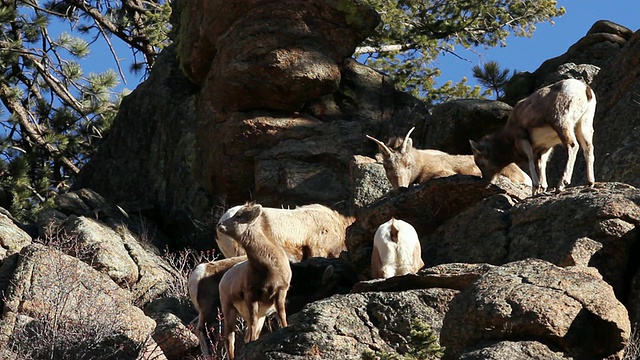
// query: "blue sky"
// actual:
[[548, 41]]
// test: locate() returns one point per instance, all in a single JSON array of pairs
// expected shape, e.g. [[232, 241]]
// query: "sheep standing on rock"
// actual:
[[407, 164], [561, 113], [396, 250], [304, 232], [312, 279], [254, 288], [203, 288]]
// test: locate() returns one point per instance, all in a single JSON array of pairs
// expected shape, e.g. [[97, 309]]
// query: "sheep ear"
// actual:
[[253, 212], [328, 273]]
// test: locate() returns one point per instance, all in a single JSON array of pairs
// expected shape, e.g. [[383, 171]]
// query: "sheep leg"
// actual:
[[254, 321], [201, 329], [280, 307], [585, 137], [230, 316], [376, 264], [570, 143], [543, 159], [525, 146]]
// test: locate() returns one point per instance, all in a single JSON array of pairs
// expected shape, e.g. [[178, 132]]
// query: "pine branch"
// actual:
[[31, 130]]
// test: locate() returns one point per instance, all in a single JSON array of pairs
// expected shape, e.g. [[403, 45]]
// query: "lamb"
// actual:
[[303, 232], [396, 250], [203, 289], [558, 113], [407, 164], [254, 288], [312, 279], [226, 244]]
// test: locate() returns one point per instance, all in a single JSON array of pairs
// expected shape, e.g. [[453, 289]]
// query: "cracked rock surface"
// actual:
[[571, 309], [344, 326]]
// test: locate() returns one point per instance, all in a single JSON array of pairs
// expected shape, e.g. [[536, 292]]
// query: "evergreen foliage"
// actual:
[[491, 76], [54, 114], [422, 344], [414, 34]]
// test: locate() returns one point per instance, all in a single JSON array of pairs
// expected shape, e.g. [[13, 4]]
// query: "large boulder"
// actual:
[[59, 306], [346, 326], [86, 226], [617, 87], [456, 122], [579, 226], [568, 309]]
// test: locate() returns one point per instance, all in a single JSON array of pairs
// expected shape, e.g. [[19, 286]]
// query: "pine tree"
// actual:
[[54, 114], [491, 76], [414, 34]]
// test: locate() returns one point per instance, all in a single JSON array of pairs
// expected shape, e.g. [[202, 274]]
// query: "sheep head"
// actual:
[[238, 224], [491, 155], [399, 164]]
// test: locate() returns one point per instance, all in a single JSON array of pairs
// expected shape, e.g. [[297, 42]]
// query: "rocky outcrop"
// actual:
[[456, 122], [221, 120], [426, 206], [522, 350], [617, 87], [56, 298], [345, 326], [96, 231], [594, 227], [572, 310], [227, 121]]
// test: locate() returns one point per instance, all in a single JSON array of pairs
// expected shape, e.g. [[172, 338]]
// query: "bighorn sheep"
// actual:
[[226, 244], [204, 293], [255, 287], [408, 164], [559, 113], [312, 279], [303, 232], [396, 250]]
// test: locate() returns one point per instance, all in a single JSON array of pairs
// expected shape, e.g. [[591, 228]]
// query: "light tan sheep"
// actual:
[[406, 164], [561, 113], [254, 288], [204, 293], [304, 232]]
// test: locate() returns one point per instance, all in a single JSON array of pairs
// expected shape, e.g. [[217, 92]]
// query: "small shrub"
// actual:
[[183, 262], [632, 349], [422, 344], [71, 317]]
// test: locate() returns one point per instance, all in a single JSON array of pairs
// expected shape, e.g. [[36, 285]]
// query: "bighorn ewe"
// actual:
[[204, 293], [559, 113], [253, 288], [408, 164], [396, 250], [303, 232], [312, 279]]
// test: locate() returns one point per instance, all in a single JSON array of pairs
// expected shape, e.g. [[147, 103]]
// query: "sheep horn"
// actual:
[[404, 143], [382, 145]]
